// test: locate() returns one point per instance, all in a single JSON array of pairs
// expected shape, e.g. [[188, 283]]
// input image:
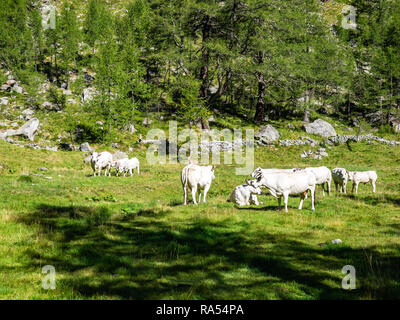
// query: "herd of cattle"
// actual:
[[279, 182], [104, 160]]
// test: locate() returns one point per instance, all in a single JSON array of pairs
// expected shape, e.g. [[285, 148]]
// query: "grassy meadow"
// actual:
[[131, 238]]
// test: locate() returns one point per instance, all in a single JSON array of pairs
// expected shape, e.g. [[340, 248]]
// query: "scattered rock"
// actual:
[[319, 154], [304, 141], [85, 147], [267, 135], [115, 145], [28, 130], [320, 127], [366, 137], [88, 94]]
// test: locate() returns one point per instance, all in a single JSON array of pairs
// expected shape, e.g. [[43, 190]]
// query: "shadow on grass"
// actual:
[[150, 258]]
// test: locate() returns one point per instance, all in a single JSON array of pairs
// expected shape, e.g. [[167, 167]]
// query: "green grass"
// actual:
[[131, 238]]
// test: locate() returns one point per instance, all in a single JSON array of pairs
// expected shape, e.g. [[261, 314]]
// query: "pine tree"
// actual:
[[70, 36]]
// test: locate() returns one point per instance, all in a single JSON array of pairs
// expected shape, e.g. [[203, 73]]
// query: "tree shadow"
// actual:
[[149, 258]]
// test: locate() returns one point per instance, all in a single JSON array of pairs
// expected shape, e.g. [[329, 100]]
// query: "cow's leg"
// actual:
[[285, 200], [328, 184], [373, 186], [206, 188], [344, 187], [131, 172], [323, 189], [199, 195], [279, 203], [312, 198], [357, 188], [336, 186], [302, 197], [194, 192], [185, 191], [352, 188]]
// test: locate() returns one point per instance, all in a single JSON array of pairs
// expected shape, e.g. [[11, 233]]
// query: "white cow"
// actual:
[[131, 165], [323, 176], [340, 177], [257, 173], [283, 184], [245, 194], [193, 177], [363, 177], [100, 161], [119, 165]]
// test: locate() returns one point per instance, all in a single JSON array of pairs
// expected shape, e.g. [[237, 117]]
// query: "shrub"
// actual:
[[57, 97]]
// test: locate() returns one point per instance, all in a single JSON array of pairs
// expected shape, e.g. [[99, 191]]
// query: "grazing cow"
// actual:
[[131, 165], [322, 175], [340, 177], [245, 194], [257, 173], [193, 177], [363, 177], [100, 161], [284, 184]]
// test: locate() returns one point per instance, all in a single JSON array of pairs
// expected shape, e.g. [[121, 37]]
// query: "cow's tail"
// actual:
[[184, 178]]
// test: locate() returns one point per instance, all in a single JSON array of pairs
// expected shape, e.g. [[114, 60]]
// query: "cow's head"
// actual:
[[212, 169], [255, 185]]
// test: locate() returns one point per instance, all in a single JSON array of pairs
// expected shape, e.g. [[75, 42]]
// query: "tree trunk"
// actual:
[[260, 106], [204, 68]]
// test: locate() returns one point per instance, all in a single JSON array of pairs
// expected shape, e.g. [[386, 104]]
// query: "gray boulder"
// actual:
[[267, 135], [28, 130], [85, 147], [320, 127]]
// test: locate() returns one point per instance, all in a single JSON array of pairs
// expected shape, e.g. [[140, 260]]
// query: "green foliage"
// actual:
[[57, 97], [25, 179]]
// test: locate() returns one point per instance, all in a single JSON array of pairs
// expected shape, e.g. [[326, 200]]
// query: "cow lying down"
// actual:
[[245, 194], [284, 184]]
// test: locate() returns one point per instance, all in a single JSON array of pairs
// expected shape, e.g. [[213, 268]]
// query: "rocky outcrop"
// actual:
[[28, 130]]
